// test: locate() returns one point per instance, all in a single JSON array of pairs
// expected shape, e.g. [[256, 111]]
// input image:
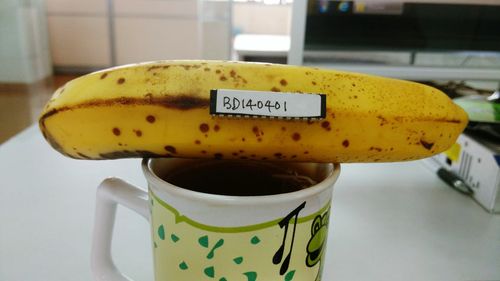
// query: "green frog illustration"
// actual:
[[315, 246]]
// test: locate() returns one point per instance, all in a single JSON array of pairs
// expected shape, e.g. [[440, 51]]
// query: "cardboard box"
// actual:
[[477, 162]]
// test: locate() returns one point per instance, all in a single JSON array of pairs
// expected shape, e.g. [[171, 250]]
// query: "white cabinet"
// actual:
[[163, 8], [77, 7], [216, 29], [80, 41], [100, 33], [79, 33], [147, 30], [149, 39], [216, 40]]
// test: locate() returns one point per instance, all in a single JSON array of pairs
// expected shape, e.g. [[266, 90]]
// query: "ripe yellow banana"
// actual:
[[161, 109]]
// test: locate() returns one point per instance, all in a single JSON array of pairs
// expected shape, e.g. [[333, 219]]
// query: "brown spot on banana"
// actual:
[[326, 125], [345, 143], [255, 130], [427, 145], [204, 127], [170, 149], [383, 121]]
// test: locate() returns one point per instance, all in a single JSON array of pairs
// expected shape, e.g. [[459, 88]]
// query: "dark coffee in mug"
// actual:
[[238, 178]]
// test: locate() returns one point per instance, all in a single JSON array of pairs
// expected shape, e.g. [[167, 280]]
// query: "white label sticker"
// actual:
[[267, 104]]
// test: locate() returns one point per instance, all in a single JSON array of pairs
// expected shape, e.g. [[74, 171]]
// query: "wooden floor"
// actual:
[[20, 104]]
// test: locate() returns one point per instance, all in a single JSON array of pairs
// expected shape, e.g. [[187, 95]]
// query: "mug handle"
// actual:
[[112, 191]]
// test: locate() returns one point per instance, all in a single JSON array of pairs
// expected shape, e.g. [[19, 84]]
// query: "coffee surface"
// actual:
[[238, 178]]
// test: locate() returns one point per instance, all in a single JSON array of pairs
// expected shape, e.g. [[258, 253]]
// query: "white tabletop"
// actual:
[[389, 221]]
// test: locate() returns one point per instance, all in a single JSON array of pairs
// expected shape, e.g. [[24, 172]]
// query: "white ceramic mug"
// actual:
[[200, 236]]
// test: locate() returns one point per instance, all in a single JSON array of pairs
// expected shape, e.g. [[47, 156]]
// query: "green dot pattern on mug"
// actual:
[[251, 275], [183, 265], [209, 271], [203, 241], [161, 232], [289, 275], [210, 254], [217, 245], [255, 240], [174, 238], [238, 260]]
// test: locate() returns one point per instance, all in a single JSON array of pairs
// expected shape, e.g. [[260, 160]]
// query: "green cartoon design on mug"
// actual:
[[274, 250], [316, 245]]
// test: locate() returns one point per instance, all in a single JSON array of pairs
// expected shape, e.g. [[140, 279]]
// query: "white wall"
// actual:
[[24, 53], [257, 18]]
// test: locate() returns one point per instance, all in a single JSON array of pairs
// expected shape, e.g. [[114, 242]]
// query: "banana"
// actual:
[[161, 109]]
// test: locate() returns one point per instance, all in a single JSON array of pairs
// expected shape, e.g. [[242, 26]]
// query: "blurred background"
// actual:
[[453, 45]]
